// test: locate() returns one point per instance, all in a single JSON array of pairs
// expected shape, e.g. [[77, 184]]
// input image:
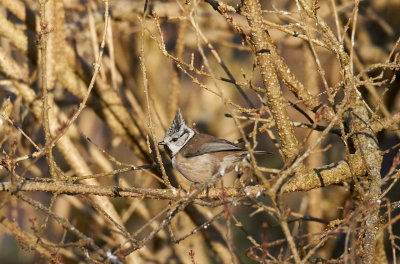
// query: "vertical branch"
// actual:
[[364, 138], [315, 159], [321, 71], [353, 33], [45, 30], [173, 99], [146, 91], [290, 240], [91, 7], [365, 141], [110, 43]]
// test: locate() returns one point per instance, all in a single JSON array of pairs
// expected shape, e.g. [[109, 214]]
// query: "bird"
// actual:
[[200, 158]]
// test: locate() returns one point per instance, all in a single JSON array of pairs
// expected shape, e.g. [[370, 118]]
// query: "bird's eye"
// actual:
[[174, 139]]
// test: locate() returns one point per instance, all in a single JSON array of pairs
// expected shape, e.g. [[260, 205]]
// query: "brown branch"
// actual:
[[30, 241], [76, 75], [308, 180], [212, 235], [363, 137], [388, 123], [281, 67], [367, 144], [262, 43], [91, 182], [47, 77]]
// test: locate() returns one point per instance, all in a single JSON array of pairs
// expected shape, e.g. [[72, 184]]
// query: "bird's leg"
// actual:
[[244, 170]]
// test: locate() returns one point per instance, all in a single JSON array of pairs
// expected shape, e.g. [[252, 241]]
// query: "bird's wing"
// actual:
[[214, 145]]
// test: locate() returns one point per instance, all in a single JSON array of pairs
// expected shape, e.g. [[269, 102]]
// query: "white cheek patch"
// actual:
[[174, 149]]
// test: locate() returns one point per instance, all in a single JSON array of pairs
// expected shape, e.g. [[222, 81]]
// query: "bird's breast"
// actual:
[[196, 169], [203, 167]]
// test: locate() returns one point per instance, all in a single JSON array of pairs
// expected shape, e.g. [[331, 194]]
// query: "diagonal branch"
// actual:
[[262, 43]]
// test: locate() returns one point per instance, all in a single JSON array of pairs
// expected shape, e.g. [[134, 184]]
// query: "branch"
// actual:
[[301, 181], [263, 43]]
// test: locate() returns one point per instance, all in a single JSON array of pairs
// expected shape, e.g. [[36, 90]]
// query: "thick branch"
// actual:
[[366, 143], [281, 67], [262, 43], [301, 181]]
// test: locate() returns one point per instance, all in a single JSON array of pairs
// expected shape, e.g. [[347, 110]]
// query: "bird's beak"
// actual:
[[161, 143]]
